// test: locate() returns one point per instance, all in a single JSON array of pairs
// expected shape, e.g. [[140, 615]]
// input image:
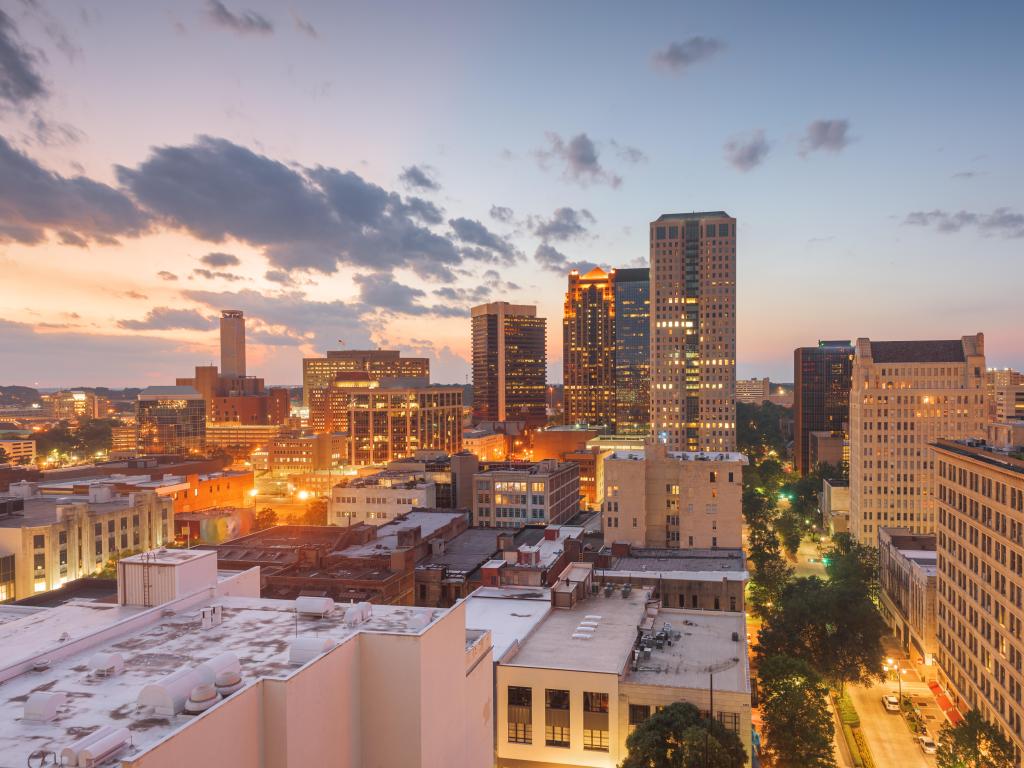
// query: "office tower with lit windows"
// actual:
[[232, 343], [821, 395], [693, 330], [904, 396], [632, 289], [386, 366], [509, 363], [588, 349], [171, 420]]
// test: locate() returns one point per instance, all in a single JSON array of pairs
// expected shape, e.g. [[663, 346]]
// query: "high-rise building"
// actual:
[[588, 349], [386, 366], [632, 351], [509, 363], [1004, 392], [904, 396], [232, 343], [171, 420], [980, 544], [821, 395], [693, 330]]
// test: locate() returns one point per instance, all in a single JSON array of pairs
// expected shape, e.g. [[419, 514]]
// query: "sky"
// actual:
[[364, 173]]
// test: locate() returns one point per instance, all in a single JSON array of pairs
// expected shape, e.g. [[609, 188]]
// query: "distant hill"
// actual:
[[18, 397]]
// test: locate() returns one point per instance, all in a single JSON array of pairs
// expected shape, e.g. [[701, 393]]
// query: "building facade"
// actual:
[[821, 396], [905, 395], [980, 543], [753, 391], [509, 363], [171, 420], [18, 451], [232, 343], [632, 351], [907, 576], [693, 331], [998, 381], [386, 366], [588, 349], [658, 498], [513, 494], [76, 405], [377, 499]]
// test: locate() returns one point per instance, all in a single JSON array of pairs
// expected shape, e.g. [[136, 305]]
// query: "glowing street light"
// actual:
[[303, 495]]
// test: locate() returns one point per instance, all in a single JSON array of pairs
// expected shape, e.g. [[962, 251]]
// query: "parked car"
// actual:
[[928, 746], [891, 703]]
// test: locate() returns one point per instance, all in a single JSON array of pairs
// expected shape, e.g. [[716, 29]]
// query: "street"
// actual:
[[887, 734]]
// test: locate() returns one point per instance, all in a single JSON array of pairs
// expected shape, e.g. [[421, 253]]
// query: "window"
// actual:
[[595, 702], [520, 715], [595, 739], [556, 725], [38, 541], [638, 713], [39, 562]]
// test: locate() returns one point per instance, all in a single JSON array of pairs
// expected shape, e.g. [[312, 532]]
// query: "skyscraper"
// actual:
[[509, 363], [588, 349], [632, 351], [906, 395], [693, 330], [170, 420], [232, 343], [821, 395]]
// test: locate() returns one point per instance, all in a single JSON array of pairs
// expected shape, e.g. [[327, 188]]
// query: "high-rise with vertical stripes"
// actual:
[[693, 330]]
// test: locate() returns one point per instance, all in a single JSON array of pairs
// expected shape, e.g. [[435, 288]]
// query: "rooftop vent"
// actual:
[[421, 619], [203, 697], [106, 664], [228, 682], [357, 614], [305, 649], [95, 752], [42, 706], [581, 636], [69, 755], [314, 606]]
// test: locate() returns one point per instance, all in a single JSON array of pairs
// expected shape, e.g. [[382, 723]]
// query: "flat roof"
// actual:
[[694, 215], [387, 534], [257, 631], [43, 511], [647, 562], [931, 351], [510, 613], [638, 455]]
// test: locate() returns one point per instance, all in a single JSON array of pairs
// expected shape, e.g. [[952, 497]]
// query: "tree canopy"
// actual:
[[677, 736], [797, 725], [974, 743]]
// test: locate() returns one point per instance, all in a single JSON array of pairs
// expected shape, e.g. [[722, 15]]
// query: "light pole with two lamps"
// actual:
[[891, 666]]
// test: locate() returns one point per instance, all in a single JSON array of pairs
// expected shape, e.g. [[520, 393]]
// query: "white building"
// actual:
[[513, 494], [215, 676], [377, 499]]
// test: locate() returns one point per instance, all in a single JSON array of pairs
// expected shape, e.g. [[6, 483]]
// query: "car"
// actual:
[[891, 703], [928, 745]]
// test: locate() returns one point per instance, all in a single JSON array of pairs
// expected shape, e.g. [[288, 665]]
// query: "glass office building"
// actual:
[[632, 289], [171, 420]]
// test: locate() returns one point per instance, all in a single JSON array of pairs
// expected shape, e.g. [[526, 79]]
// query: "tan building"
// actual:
[[513, 494], [578, 671], [18, 451], [828, 448], [485, 444], [753, 391], [693, 330], [55, 539], [379, 498], [75, 405], [905, 395], [907, 575], [229, 435], [1008, 403], [997, 380], [980, 493], [834, 505], [658, 498], [382, 365]]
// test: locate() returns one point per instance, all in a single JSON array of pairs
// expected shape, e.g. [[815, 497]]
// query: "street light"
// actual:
[[891, 666]]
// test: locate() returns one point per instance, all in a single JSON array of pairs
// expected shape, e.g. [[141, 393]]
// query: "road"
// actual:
[[803, 566], [887, 734]]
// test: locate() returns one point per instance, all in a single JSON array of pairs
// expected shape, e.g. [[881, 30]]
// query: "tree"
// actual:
[[974, 743], [797, 725], [677, 736], [767, 584], [3, 456], [265, 518], [854, 564], [316, 513]]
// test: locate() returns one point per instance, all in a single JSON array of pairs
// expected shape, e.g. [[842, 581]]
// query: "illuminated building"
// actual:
[[485, 444], [906, 575], [588, 349], [379, 498], [75, 405], [18, 451], [980, 545], [632, 351], [239, 436], [381, 365], [821, 396], [753, 391], [513, 494], [232, 344], [171, 420], [509, 363], [693, 330], [905, 395], [1002, 388]]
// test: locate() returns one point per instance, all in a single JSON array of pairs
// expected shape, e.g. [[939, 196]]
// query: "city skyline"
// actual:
[[373, 226]]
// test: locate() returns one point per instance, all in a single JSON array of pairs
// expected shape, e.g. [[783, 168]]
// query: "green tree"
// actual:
[[316, 513], [854, 564], [973, 743], [3, 456], [767, 584], [265, 518], [677, 737], [797, 725]]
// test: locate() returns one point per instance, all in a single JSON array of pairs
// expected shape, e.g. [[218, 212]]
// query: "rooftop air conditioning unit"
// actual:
[[106, 664], [99, 750], [42, 706], [304, 649], [314, 606]]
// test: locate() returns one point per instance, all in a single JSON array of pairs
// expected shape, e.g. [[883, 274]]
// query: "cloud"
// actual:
[[214, 275], [278, 276], [134, 295], [678, 57], [34, 200], [831, 135], [965, 175], [476, 295], [565, 224], [579, 158], [1002, 222], [550, 258], [627, 153], [747, 152], [19, 80], [218, 259], [502, 214], [245, 22], [379, 291], [311, 219], [473, 232], [304, 26], [419, 177], [67, 237], [166, 319], [165, 275], [424, 210]]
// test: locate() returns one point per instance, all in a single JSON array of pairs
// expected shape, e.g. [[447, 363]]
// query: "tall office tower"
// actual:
[[821, 395], [632, 351], [509, 363], [693, 330], [588, 349], [232, 343], [904, 396], [980, 554], [170, 420], [386, 366]]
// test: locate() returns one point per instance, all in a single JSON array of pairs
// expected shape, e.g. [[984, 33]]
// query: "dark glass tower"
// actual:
[[632, 288], [821, 395], [509, 363]]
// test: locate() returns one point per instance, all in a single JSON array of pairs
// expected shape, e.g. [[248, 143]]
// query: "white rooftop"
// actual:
[[510, 613], [638, 455], [387, 534]]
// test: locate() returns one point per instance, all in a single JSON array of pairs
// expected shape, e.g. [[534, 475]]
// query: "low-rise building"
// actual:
[[485, 444], [513, 494], [824, 447], [753, 391], [676, 500], [212, 526], [907, 576], [234, 436], [18, 451], [76, 405], [378, 498], [834, 504]]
